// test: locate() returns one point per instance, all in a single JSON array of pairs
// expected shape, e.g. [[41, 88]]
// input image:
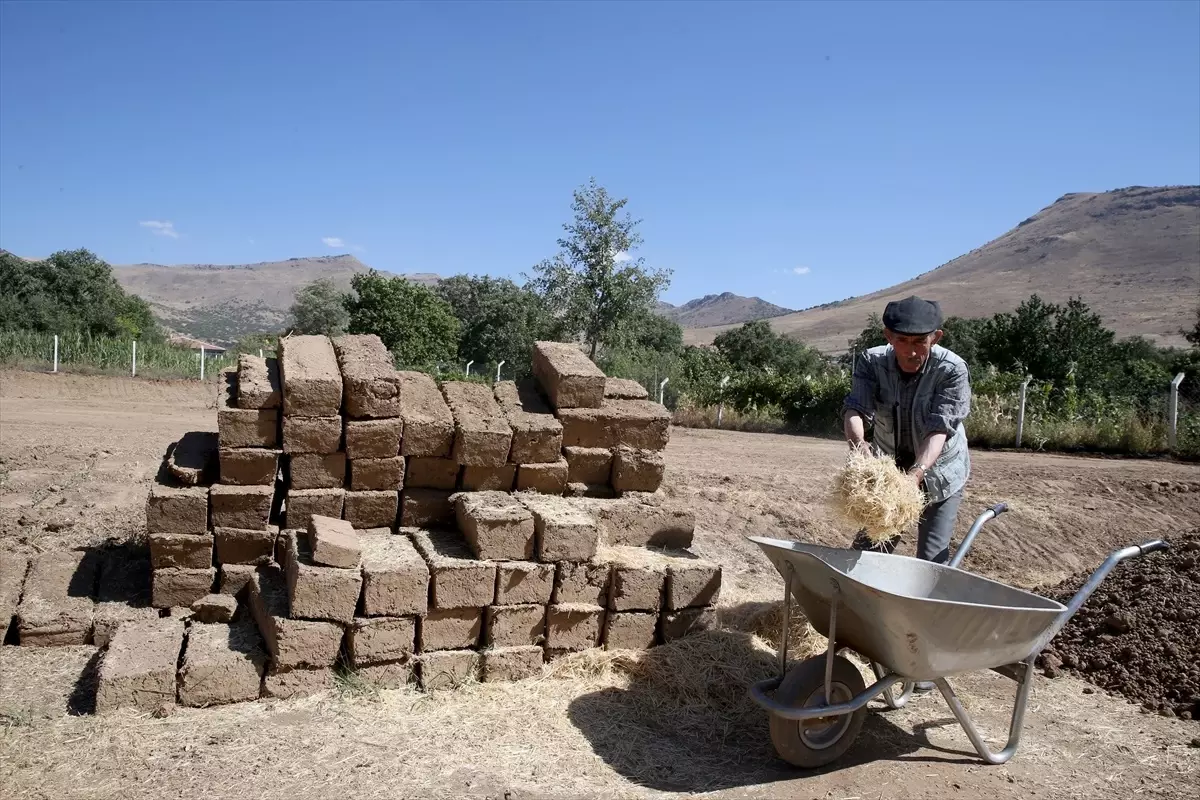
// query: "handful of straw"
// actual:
[[873, 494]]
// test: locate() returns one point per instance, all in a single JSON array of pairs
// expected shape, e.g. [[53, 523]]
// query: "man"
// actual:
[[916, 394]]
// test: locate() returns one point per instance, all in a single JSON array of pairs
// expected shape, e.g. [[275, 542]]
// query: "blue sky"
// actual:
[[801, 152]]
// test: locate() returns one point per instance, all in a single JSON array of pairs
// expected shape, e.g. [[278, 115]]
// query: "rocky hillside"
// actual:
[[726, 308]]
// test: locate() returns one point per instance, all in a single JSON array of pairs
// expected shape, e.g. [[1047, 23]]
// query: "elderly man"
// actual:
[[917, 395]]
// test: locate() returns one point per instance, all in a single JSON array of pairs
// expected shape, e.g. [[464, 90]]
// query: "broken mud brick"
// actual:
[[448, 669], [333, 542], [574, 626], [431, 473], [123, 594], [519, 582], [421, 508], [624, 389], [180, 587], [302, 504], [565, 532], [389, 675], [372, 509], [221, 664], [689, 621], [56, 605], [495, 525], [637, 470], [568, 377], [241, 546], [110, 616], [249, 466], [291, 643], [536, 434], [428, 423], [395, 576], [588, 465], [171, 509], [482, 436], [586, 583], [503, 664], [317, 592], [180, 551], [258, 382], [635, 523], [193, 459], [595, 491], [312, 382], [138, 668], [692, 582], [315, 471], [234, 578], [544, 478], [286, 684], [458, 579], [214, 609], [451, 628], [372, 388], [373, 438], [630, 630], [14, 564], [373, 640], [246, 507], [376, 474], [486, 479], [638, 577], [321, 435], [641, 424], [515, 626]]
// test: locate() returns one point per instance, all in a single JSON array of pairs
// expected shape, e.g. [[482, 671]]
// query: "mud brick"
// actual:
[[482, 436], [214, 608], [638, 577], [451, 628], [373, 640], [376, 474], [334, 543], [586, 583], [395, 576], [637, 470], [193, 459], [321, 435], [537, 435], [390, 675], [689, 621], [241, 546], [248, 427], [595, 491], [258, 382], [573, 626], [630, 630], [235, 578], [179, 551], [316, 471], [180, 587], [519, 582], [372, 509], [138, 668], [485, 479], [373, 438], [588, 465], [548, 478], [110, 616], [624, 389], [449, 669], [692, 582], [431, 473], [504, 664], [495, 525], [428, 422], [565, 532], [317, 592], [249, 466], [291, 643], [421, 508], [312, 382], [171, 509], [640, 524], [14, 564], [246, 507], [457, 579], [56, 606], [369, 379], [286, 684], [514, 626], [123, 594], [302, 504], [642, 424], [569, 378], [221, 664]]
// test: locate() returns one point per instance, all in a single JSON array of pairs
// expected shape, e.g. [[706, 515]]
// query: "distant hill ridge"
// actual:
[[720, 309]]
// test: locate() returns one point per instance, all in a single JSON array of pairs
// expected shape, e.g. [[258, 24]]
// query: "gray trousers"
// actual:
[[934, 531]]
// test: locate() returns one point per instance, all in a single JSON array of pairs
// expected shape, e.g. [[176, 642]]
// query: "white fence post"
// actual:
[[260, 353], [1173, 411], [721, 407], [133, 362], [661, 387], [201, 362], [1021, 410], [469, 363], [498, 366], [55, 353]]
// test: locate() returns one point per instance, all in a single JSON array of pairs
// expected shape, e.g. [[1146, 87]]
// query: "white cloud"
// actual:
[[161, 228], [622, 256], [801, 270], [333, 241]]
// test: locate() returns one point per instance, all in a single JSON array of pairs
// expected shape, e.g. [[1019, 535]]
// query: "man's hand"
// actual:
[[917, 474]]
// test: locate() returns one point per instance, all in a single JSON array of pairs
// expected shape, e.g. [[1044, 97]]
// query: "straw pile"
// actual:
[[873, 494]]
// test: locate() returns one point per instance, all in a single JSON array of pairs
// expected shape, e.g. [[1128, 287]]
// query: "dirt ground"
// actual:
[[76, 457]]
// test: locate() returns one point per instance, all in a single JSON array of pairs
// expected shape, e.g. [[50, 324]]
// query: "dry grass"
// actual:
[[871, 493]]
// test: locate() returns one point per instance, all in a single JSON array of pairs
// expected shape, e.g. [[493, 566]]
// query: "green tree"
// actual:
[[755, 346], [319, 309], [1193, 335], [412, 321], [592, 285], [871, 336], [651, 332], [961, 335], [1023, 340], [498, 320]]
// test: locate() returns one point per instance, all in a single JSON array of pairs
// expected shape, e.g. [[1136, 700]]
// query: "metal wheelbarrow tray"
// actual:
[[913, 620]]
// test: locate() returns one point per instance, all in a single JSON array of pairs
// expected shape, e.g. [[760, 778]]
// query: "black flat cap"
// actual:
[[912, 316]]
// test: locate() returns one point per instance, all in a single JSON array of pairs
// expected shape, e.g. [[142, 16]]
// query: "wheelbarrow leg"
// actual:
[[893, 701], [1024, 683]]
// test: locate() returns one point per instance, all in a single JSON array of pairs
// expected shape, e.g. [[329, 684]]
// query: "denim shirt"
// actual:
[[941, 402]]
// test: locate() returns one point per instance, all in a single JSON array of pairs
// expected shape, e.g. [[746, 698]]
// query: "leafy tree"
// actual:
[[871, 336], [755, 346], [1023, 340], [588, 289], [319, 309], [1193, 335], [961, 336], [651, 332], [414, 323], [498, 320]]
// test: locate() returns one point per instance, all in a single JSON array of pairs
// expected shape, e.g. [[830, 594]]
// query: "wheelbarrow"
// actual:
[[913, 621]]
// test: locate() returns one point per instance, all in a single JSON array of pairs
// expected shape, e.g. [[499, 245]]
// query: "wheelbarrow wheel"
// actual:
[[816, 742]]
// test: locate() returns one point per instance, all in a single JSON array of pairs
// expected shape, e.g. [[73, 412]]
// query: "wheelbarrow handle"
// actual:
[[1153, 546], [961, 552]]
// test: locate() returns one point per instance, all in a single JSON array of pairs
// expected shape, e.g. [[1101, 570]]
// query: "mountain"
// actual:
[[1132, 254], [726, 308]]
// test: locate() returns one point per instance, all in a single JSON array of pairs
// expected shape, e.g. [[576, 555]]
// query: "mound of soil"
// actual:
[[1139, 632]]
